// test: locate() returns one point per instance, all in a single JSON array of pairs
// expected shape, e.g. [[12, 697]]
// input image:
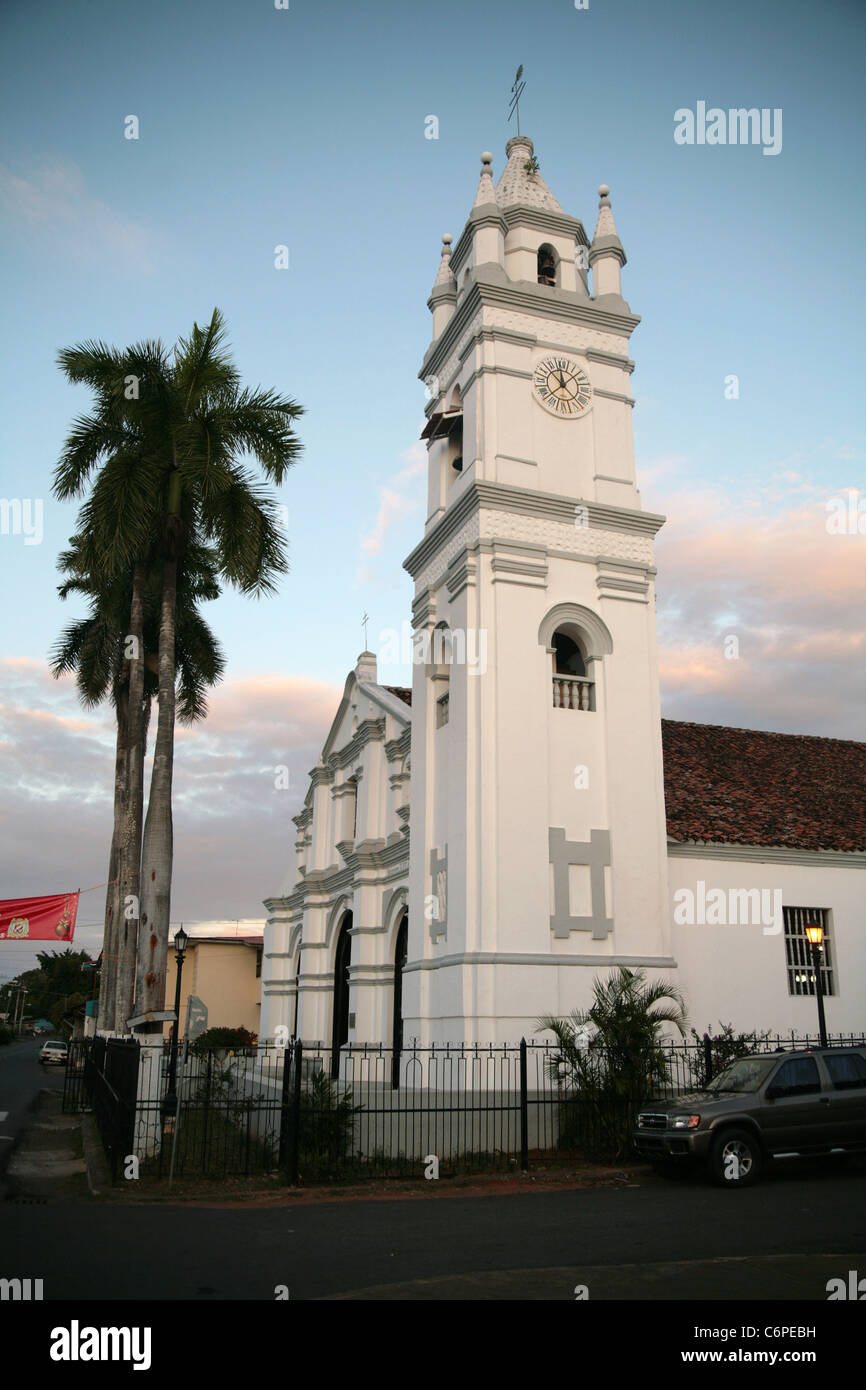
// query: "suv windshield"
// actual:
[[746, 1074]]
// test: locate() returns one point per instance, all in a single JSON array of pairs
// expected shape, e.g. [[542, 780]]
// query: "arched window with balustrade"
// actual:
[[576, 640]]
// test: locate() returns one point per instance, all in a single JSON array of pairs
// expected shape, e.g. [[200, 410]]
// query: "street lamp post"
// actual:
[[815, 936], [169, 1105]]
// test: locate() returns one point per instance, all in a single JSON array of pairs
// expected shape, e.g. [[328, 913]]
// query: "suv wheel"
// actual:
[[736, 1159]]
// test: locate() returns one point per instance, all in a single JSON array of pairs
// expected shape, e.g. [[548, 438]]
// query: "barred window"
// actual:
[[798, 952]]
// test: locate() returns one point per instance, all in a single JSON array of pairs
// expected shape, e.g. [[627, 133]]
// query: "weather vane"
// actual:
[[516, 94], [365, 620]]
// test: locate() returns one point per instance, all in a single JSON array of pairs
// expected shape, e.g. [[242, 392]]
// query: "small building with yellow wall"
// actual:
[[224, 972]]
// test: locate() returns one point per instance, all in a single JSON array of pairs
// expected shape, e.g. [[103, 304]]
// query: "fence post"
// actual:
[[295, 1111], [288, 1073], [524, 1110], [708, 1058]]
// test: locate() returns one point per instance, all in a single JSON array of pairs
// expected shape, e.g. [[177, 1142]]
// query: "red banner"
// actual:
[[38, 919]]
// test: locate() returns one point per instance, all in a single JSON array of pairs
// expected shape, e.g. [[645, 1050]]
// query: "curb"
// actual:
[[98, 1177]]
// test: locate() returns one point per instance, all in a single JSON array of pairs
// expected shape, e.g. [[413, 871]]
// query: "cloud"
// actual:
[[234, 837], [760, 566], [397, 499], [53, 198]]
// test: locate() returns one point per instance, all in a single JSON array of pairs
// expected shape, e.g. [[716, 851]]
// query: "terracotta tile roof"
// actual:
[[748, 787], [401, 692]]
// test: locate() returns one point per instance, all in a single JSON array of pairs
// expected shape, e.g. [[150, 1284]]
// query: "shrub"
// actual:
[[610, 1058], [725, 1047], [232, 1038], [326, 1121]]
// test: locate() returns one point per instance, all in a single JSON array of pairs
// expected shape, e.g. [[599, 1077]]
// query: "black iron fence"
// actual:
[[438, 1110]]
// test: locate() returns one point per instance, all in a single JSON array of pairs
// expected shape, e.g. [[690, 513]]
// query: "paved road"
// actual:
[[21, 1079], [781, 1240]]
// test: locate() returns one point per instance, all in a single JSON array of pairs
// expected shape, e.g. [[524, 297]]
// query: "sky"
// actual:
[[307, 127]]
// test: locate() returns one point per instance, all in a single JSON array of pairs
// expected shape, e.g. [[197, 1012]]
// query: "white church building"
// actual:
[[472, 853]]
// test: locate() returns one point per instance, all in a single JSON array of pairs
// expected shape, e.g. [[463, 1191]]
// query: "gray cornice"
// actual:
[[517, 215], [370, 731], [614, 396], [545, 220], [397, 748], [460, 573], [768, 854], [607, 246], [508, 335], [506, 497], [611, 359], [492, 287], [423, 607], [489, 370], [532, 958], [442, 294]]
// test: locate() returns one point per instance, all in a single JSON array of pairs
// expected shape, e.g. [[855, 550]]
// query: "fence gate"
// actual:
[[75, 1098]]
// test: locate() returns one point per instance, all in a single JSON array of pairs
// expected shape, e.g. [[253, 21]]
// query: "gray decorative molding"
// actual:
[[593, 629], [461, 573], [535, 958], [610, 359], [614, 396], [507, 335], [491, 286], [513, 458], [519, 564], [768, 854], [506, 497], [423, 608], [596, 853]]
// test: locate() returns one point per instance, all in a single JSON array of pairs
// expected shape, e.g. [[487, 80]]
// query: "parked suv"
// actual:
[[54, 1051], [803, 1101]]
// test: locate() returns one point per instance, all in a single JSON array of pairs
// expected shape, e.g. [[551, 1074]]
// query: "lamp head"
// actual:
[[815, 934], [180, 941]]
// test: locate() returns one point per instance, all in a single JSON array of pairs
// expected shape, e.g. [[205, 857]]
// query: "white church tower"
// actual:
[[538, 842]]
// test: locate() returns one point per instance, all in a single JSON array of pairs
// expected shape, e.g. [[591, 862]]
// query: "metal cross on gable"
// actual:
[[364, 620]]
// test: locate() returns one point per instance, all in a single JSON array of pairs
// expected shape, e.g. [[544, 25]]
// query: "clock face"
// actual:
[[562, 387]]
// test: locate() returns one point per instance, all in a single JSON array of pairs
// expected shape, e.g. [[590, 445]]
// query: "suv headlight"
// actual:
[[684, 1121]]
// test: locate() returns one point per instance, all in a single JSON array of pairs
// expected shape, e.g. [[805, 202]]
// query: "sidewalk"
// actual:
[[48, 1163], [60, 1158]]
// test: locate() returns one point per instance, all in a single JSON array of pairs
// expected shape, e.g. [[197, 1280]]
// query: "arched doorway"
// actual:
[[342, 961], [400, 954]]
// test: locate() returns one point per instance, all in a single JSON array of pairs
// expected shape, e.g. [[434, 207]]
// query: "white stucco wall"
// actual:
[[737, 974]]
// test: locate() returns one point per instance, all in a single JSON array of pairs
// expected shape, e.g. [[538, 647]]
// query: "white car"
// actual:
[[54, 1051]]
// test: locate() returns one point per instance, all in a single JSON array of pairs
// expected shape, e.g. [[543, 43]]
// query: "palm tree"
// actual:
[[176, 429], [97, 649], [620, 1030], [610, 1056]]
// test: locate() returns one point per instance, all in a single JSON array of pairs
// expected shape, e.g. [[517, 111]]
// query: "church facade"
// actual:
[[474, 851]]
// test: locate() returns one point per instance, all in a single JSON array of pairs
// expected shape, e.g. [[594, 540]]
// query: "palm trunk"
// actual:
[[129, 865], [157, 850], [108, 976]]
